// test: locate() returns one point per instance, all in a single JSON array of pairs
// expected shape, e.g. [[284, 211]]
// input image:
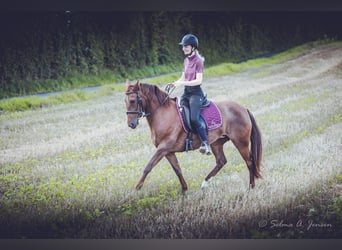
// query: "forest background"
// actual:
[[43, 51]]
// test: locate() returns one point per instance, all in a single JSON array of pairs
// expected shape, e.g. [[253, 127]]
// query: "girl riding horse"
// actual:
[[191, 79]]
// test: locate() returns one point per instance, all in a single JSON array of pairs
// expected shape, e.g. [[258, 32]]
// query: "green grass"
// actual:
[[35, 102]]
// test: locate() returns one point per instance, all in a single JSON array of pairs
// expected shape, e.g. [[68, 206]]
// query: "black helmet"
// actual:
[[189, 39]]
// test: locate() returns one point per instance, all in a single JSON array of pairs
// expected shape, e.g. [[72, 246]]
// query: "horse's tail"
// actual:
[[256, 146]]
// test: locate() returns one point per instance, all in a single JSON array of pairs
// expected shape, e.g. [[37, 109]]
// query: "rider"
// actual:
[[191, 79]]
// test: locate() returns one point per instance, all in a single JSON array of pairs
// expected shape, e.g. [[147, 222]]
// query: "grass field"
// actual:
[[69, 170]]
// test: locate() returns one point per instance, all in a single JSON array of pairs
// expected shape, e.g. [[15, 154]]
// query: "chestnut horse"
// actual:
[[168, 135]]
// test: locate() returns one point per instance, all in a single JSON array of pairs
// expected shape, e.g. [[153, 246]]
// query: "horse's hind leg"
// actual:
[[217, 148], [246, 155], [171, 157]]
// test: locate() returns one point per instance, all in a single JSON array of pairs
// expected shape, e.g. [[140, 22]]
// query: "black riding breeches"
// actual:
[[194, 103], [193, 98]]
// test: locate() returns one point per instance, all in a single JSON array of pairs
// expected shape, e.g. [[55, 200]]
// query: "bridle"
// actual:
[[140, 112], [140, 109]]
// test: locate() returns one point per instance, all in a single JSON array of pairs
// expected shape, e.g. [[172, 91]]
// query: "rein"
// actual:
[[169, 88]]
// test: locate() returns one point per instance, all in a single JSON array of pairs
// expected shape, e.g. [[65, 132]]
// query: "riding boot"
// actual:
[[205, 147]]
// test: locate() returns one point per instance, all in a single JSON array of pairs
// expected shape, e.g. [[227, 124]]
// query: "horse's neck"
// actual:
[[161, 119], [151, 104], [157, 110]]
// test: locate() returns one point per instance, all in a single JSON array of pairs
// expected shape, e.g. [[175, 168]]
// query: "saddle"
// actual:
[[210, 118], [186, 116]]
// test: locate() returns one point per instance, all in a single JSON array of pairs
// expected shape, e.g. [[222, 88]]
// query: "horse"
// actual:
[[168, 135]]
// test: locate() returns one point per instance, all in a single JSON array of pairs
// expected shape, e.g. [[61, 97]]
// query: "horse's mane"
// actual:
[[153, 90]]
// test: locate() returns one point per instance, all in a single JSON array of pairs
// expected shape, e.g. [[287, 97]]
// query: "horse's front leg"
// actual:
[[152, 163], [171, 157]]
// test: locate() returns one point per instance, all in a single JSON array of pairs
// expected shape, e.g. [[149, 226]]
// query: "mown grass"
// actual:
[[317, 214], [86, 188]]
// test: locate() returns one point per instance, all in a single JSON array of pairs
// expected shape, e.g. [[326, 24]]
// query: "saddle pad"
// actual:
[[211, 115]]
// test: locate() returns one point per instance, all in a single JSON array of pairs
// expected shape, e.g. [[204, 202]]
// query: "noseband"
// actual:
[[140, 109]]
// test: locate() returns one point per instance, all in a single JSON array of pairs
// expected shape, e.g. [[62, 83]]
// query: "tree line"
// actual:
[[45, 51]]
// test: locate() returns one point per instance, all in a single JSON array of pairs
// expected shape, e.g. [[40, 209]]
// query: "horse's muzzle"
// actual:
[[133, 124]]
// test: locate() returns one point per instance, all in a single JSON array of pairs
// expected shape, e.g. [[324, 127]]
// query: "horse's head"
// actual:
[[134, 104]]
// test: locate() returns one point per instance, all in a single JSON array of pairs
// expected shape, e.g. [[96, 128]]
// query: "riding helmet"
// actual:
[[189, 39]]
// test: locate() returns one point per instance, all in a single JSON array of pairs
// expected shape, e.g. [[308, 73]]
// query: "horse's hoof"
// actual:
[[204, 184]]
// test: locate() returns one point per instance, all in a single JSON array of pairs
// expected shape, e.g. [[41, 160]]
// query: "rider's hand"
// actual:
[[170, 86]]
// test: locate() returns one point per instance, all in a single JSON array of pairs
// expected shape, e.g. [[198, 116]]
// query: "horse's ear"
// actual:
[[137, 84], [128, 83]]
